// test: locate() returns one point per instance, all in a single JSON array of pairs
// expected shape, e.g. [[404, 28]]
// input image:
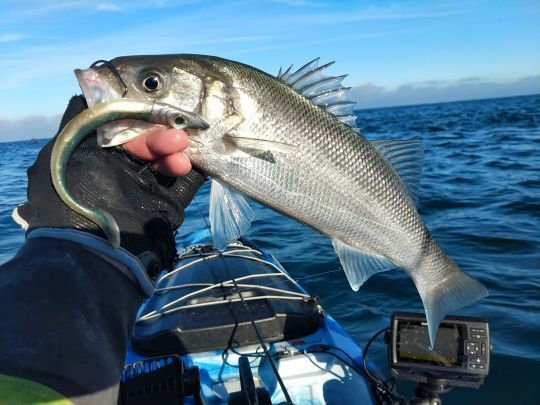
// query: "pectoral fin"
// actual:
[[359, 266], [259, 148], [230, 215]]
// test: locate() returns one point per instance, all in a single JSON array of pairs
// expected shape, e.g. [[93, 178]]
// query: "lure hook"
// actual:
[[113, 70]]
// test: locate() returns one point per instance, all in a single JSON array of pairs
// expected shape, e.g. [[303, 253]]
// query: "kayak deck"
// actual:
[[197, 313], [196, 307]]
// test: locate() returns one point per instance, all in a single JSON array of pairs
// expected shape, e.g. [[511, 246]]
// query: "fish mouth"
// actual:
[[96, 89]]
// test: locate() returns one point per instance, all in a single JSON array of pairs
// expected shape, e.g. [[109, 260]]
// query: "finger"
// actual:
[[154, 144], [166, 142], [176, 164]]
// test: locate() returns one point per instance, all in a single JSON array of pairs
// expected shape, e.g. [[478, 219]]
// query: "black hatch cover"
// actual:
[[197, 308]]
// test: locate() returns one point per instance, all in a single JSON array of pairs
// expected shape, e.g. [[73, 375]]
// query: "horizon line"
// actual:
[[446, 102], [34, 139]]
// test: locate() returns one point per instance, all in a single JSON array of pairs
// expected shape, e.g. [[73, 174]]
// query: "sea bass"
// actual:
[[290, 143]]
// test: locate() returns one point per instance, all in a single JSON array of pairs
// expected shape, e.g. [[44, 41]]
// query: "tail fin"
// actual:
[[455, 292]]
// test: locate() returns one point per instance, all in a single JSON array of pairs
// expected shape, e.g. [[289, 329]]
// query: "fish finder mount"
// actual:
[[460, 358]]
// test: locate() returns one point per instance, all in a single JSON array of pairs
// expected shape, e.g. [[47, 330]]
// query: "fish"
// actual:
[[82, 124], [290, 142]]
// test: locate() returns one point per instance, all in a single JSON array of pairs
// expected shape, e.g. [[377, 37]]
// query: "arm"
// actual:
[[68, 301]]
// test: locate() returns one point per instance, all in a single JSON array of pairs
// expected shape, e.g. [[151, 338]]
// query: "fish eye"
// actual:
[[152, 82], [179, 122]]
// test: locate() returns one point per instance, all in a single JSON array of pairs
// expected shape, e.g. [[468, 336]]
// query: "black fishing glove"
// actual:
[[148, 206]]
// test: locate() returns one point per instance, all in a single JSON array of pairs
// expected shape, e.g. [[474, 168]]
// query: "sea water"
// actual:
[[480, 197]]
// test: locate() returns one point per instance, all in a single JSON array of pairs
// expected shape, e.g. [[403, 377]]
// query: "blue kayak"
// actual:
[[240, 330]]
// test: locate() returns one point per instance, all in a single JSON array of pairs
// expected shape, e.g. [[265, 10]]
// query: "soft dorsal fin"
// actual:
[[406, 157], [359, 266], [325, 91], [230, 215]]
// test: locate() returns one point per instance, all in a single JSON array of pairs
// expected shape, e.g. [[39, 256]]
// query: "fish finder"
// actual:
[[460, 357]]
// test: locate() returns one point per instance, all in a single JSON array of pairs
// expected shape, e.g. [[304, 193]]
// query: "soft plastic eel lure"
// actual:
[[87, 121]]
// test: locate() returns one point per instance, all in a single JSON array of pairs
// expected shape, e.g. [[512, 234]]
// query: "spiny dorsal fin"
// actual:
[[300, 73], [406, 157], [286, 74], [325, 91]]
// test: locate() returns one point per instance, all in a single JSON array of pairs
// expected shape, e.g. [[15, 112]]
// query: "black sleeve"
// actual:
[[66, 317]]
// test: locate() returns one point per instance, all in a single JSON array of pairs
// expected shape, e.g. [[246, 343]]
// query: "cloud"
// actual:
[[369, 95], [108, 7], [45, 7], [62, 58], [362, 15], [291, 2], [40, 8], [35, 126], [226, 37], [10, 37]]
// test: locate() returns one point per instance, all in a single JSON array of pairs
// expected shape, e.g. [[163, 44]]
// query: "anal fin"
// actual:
[[359, 266]]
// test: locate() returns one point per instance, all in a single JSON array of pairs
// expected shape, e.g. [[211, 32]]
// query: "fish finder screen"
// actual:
[[413, 344]]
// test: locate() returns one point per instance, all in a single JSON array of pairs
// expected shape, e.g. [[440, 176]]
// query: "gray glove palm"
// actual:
[[148, 207]]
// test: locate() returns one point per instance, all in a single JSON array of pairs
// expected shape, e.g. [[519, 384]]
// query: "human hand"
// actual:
[[164, 148], [132, 183]]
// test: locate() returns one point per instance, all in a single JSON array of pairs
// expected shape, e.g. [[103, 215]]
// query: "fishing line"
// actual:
[[258, 333], [303, 278], [255, 328], [248, 311], [197, 205], [246, 289], [274, 282]]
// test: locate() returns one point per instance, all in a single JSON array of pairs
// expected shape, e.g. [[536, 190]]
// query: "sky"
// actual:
[[395, 52]]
